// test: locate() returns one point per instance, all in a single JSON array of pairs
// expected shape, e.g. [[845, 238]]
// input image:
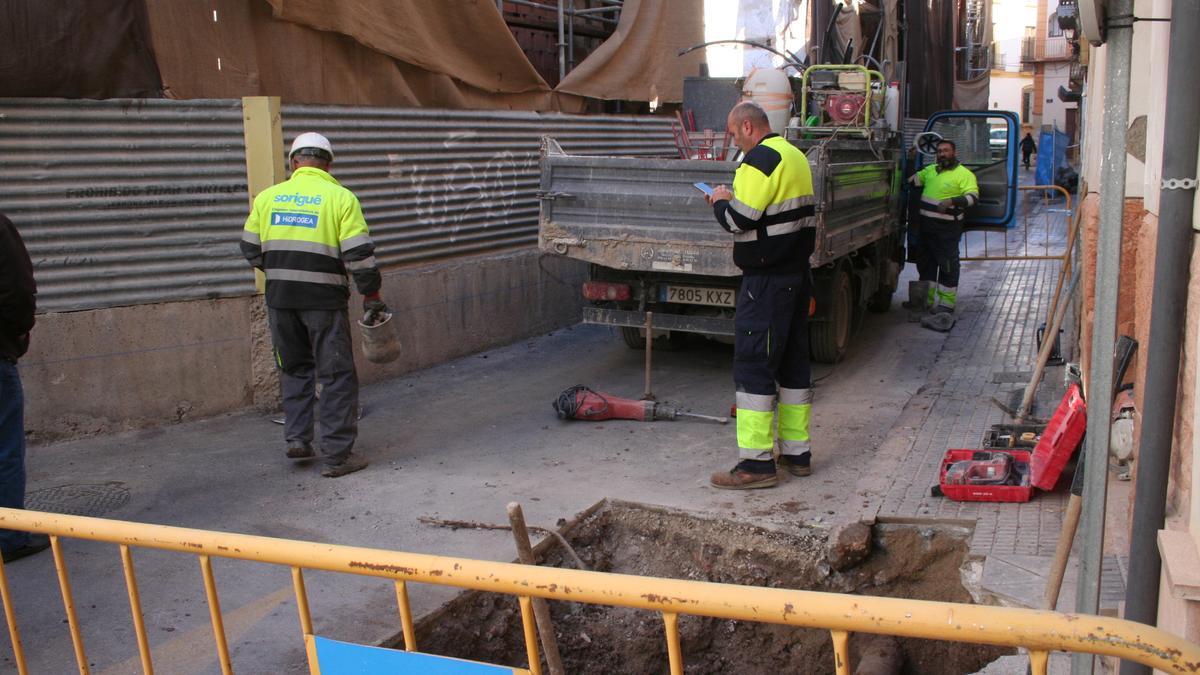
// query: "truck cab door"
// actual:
[[986, 142]]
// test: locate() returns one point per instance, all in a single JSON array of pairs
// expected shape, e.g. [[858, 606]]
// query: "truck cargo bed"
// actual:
[[645, 215]]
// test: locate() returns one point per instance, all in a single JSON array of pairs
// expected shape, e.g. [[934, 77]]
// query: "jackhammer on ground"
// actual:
[[583, 403]]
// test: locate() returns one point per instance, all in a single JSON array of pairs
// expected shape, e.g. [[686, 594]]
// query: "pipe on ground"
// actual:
[[1172, 257]]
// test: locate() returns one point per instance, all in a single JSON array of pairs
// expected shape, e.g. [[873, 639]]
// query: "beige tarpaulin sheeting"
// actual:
[[639, 61], [465, 39], [891, 40], [849, 31], [449, 54], [248, 51], [974, 94]]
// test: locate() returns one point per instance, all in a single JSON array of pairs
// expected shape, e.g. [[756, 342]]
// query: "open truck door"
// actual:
[[986, 142]]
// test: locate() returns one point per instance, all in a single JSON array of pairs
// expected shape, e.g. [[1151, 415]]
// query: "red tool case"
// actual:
[[1059, 440], [985, 493], [1042, 466]]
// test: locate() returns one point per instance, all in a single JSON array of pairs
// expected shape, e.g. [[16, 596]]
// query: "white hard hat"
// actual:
[[311, 141]]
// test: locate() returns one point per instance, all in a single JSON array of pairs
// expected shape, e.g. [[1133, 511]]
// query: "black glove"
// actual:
[[373, 303], [374, 309]]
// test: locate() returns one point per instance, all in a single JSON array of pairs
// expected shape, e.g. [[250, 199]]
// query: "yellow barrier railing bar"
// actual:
[[135, 607], [306, 627], [64, 584], [406, 620], [531, 648], [1033, 630], [214, 610], [10, 617], [674, 653], [310, 650], [1038, 662], [841, 652]]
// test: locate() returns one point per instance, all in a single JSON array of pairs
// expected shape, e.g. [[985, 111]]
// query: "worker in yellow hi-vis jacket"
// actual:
[[770, 214], [306, 234], [948, 190]]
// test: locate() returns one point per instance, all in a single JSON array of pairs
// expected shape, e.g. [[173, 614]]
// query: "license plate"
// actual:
[[697, 295]]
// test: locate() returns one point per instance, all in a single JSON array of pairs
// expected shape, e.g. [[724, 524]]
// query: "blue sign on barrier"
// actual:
[[345, 658]]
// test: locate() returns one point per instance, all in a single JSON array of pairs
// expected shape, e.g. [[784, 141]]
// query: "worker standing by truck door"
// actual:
[[948, 190], [770, 213], [306, 233]]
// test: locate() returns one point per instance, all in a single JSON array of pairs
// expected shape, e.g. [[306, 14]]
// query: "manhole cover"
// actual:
[[79, 500]]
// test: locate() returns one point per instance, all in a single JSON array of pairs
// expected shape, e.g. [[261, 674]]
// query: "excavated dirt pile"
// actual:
[[919, 562]]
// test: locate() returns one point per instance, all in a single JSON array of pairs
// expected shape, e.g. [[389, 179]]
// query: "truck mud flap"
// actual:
[[705, 325], [822, 293]]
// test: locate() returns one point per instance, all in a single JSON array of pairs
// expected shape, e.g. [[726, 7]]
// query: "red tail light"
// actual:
[[812, 307], [602, 290]]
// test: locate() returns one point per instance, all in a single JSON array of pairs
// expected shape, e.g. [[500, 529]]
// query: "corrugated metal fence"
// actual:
[[912, 126], [126, 202], [437, 183]]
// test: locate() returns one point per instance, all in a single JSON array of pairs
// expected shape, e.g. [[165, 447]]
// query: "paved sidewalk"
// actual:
[[989, 354]]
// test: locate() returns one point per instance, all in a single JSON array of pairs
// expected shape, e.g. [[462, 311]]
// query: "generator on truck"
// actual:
[[653, 245]]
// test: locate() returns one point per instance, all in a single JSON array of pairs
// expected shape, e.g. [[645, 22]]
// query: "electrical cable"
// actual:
[[567, 403]]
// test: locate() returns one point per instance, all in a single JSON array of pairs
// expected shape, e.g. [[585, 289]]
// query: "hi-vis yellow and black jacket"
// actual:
[[771, 213], [957, 184], [305, 234]]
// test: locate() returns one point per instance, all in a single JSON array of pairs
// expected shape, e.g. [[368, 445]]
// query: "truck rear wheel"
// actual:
[[828, 339]]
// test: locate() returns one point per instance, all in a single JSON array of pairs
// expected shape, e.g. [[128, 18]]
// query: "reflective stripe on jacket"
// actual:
[[771, 215], [958, 184], [306, 233]]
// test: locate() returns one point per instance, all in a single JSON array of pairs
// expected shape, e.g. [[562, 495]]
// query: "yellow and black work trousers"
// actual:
[[771, 369], [937, 260]]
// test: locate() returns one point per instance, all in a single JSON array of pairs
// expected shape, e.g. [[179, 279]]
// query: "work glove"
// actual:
[[374, 309]]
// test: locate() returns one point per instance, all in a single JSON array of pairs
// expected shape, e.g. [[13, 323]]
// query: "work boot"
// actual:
[[918, 296], [300, 451], [349, 465], [797, 465], [739, 478], [35, 544], [939, 321]]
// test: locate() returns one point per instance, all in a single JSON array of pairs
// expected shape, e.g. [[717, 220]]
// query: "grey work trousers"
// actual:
[[314, 345]]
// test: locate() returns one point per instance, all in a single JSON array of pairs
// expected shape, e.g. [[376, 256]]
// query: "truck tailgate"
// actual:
[[635, 214]]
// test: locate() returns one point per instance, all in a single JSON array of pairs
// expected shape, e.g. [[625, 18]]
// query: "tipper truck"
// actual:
[[653, 245]]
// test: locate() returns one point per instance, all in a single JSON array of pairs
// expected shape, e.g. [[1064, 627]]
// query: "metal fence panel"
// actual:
[[125, 202], [910, 129], [438, 183]]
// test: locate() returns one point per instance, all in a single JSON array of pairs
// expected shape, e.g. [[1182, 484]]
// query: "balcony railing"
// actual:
[[1078, 73], [1049, 49], [1003, 62]]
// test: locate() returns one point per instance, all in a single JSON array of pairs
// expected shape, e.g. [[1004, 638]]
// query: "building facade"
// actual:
[[1179, 540]]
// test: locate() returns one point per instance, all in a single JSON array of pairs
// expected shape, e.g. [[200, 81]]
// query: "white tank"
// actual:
[[892, 106], [771, 89]]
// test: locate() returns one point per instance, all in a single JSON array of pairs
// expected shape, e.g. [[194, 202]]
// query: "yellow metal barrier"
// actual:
[[1035, 630], [1014, 244]]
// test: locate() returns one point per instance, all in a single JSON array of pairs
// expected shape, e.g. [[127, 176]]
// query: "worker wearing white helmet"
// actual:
[[307, 234]]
